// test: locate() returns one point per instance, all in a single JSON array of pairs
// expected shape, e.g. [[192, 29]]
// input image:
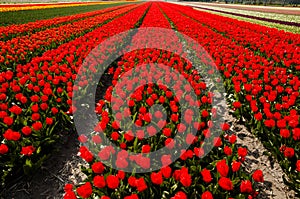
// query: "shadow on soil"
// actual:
[[49, 181]]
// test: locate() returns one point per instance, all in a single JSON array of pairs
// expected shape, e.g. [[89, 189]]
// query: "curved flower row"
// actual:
[[21, 49], [35, 97], [265, 94], [8, 32]]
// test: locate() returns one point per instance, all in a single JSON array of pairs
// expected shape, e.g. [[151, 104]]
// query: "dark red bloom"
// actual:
[[3, 149], [85, 154], [289, 152], [242, 152], [227, 150], [49, 120], [132, 196], [68, 187], [99, 181], [166, 160], [146, 148], [207, 195], [8, 120], [235, 166], [246, 186], [70, 195], [180, 195], [26, 130], [296, 134], [285, 133], [11, 135], [85, 190], [16, 110], [205, 113], [98, 167], [237, 104], [35, 116], [27, 150], [298, 166], [82, 138], [132, 181], [166, 171], [174, 117], [121, 174], [115, 136], [112, 181], [225, 126], [167, 132], [232, 139], [222, 168], [226, 184], [185, 179], [258, 176], [258, 116], [206, 175], [156, 178], [37, 126], [141, 184]]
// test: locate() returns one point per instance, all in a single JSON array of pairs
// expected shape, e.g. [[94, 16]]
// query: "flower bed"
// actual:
[[9, 32], [13, 8], [21, 49], [267, 17], [217, 175], [251, 77], [35, 101], [259, 66]]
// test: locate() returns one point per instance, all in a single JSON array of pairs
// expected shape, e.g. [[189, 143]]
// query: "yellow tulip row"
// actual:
[[8, 8]]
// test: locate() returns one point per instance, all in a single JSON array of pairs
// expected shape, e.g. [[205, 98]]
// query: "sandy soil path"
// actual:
[[273, 187]]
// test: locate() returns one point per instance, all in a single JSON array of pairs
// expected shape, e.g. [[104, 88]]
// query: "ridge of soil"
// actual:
[[273, 186]]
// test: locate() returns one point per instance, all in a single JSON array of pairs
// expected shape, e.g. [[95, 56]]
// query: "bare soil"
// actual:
[[273, 187], [49, 181]]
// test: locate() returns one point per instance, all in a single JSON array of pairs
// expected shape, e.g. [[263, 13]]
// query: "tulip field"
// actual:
[[41, 71]]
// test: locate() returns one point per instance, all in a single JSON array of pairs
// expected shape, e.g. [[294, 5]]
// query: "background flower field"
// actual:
[[40, 59]]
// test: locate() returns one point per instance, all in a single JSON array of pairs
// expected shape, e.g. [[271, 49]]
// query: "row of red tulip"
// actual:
[[282, 47], [11, 31], [20, 50], [265, 94], [217, 175], [35, 97]]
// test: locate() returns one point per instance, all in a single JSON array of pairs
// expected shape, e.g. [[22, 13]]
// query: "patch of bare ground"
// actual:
[[49, 181], [273, 187]]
